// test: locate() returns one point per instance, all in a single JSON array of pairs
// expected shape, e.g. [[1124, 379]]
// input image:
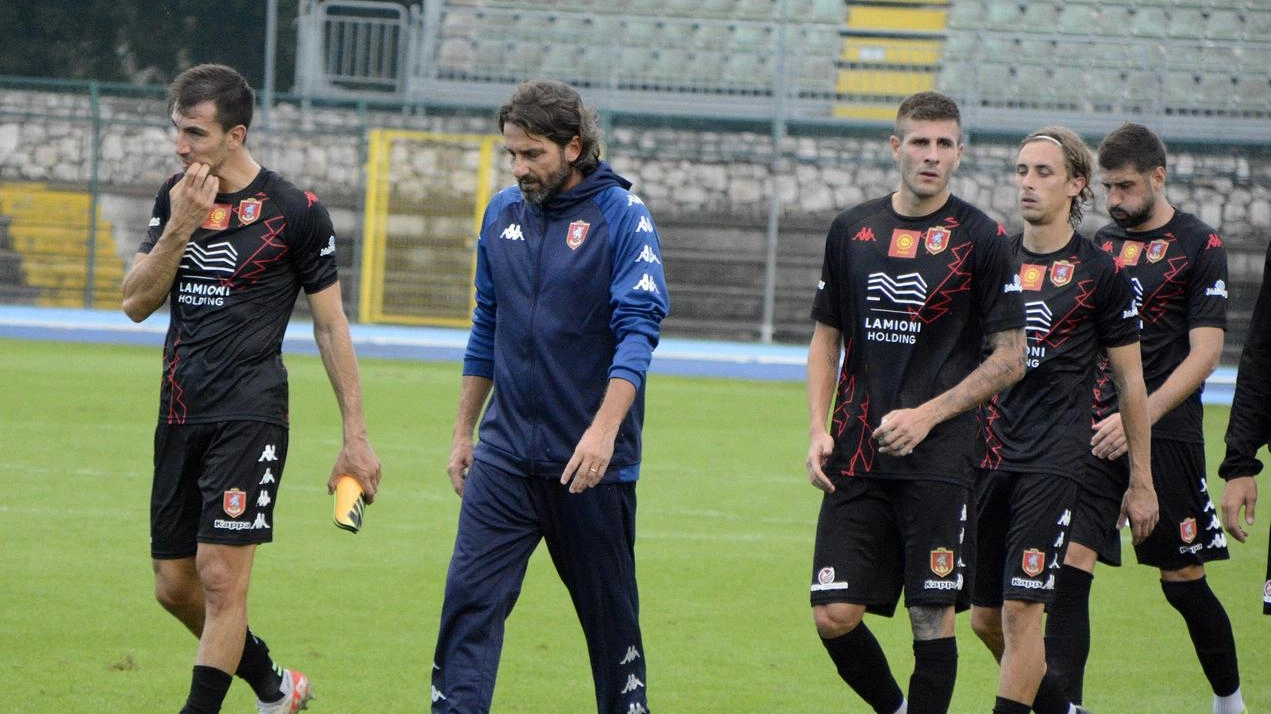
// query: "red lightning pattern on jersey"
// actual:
[[938, 304], [992, 445], [253, 267], [1170, 288], [864, 453], [176, 404], [1065, 326]]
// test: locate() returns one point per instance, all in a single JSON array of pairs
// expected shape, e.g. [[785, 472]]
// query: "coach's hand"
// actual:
[[899, 432], [818, 453], [1109, 441], [1241, 492], [459, 462], [590, 460]]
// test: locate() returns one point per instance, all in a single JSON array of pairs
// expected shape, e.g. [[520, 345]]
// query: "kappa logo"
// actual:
[[260, 522], [820, 285], [214, 258], [907, 289], [637, 708], [634, 200], [1066, 518], [263, 499], [645, 225], [633, 683], [437, 696], [330, 249], [647, 255], [268, 477], [632, 655], [865, 234], [512, 232], [269, 454], [647, 284], [1213, 242], [154, 221], [1218, 290]]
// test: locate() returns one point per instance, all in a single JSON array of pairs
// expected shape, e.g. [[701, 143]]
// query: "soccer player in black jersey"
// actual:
[[1037, 431], [913, 287], [1179, 269], [1249, 427], [229, 248]]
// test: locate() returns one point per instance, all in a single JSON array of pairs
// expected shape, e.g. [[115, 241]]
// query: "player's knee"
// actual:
[[836, 619], [986, 623], [174, 596], [1022, 619]]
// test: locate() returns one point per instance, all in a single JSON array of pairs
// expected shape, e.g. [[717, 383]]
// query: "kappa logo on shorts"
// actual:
[[942, 562], [1033, 562], [234, 502], [1187, 530]]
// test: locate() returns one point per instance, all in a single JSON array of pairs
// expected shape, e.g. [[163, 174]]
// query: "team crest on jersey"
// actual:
[[1061, 272], [248, 210], [1156, 250], [942, 562], [218, 217], [904, 244], [1187, 530], [937, 239], [577, 234], [1031, 276], [1033, 562], [234, 501], [1130, 252]]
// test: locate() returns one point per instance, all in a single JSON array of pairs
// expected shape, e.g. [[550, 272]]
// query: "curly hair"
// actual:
[[1077, 159], [554, 110]]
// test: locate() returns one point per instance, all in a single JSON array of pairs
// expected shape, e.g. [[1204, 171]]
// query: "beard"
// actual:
[[538, 191], [1130, 219]]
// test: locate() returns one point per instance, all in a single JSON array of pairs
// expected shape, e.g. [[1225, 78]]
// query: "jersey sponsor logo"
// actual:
[[1031, 276], [329, 249], [1213, 242], [942, 562], [249, 210], [864, 234], [825, 581], [1015, 286], [217, 218], [1219, 289], [1187, 530], [904, 244], [1061, 273], [213, 258], [1157, 250], [648, 256], [647, 284], [202, 292], [576, 234], [234, 502], [1130, 252], [1033, 562], [632, 655], [907, 289], [937, 240], [1037, 321], [645, 225], [512, 232]]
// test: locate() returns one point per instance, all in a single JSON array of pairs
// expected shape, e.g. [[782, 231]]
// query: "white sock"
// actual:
[[904, 707], [1230, 704]]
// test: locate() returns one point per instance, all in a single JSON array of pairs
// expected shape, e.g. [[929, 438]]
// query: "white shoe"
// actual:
[[297, 692]]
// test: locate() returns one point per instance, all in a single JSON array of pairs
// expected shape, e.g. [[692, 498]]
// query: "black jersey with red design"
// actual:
[[1077, 303], [914, 299], [232, 298], [1179, 274]]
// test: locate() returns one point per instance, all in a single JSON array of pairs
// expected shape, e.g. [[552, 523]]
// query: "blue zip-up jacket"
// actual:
[[568, 295]]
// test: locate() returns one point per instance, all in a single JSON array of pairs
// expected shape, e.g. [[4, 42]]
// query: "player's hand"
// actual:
[[1241, 492], [899, 432], [1140, 510], [459, 462], [590, 460], [357, 459], [1109, 441], [819, 450], [191, 198]]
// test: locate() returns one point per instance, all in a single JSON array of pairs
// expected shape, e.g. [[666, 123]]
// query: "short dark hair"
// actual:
[[224, 86], [1077, 161], [927, 106], [554, 110], [1132, 145]]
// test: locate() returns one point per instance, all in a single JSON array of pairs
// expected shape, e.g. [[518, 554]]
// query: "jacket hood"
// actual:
[[593, 183]]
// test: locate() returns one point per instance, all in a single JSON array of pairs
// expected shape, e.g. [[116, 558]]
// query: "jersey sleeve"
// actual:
[[997, 291], [1116, 314], [478, 356], [1207, 301], [312, 246], [158, 216], [825, 302], [637, 293], [1249, 427]]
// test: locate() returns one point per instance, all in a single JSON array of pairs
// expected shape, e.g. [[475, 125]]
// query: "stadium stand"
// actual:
[[46, 231]]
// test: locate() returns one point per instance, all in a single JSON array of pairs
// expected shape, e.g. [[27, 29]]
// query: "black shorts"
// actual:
[[1021, 535], [214, 483], [1266, 588], [1189, 531], [876, 536]]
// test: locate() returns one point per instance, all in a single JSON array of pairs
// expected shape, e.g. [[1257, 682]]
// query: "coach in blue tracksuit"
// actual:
[[570, 294]]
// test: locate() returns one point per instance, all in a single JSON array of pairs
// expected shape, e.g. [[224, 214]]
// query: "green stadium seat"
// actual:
[[1187, 23], [1223, 25], [1148, 22], [1005, 15], [1258, 22], [967, 15], [756, 9], [640, 32], [1111, 21], [1076, 19]]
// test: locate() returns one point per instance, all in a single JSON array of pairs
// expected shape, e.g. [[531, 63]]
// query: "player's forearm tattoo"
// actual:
[[1003, 367]]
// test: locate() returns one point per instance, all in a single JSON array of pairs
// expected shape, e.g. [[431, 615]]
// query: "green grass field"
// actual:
[[725, 536]]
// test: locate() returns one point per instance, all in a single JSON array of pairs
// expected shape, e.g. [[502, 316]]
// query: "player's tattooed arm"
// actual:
[[903, 429]]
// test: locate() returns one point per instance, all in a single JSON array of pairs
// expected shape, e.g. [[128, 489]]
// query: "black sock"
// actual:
[[935, 669], [258, 669], [208, 687], [1068, 631], [861, 663], [1009, 706], [1050, 697], [1210, 629]]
